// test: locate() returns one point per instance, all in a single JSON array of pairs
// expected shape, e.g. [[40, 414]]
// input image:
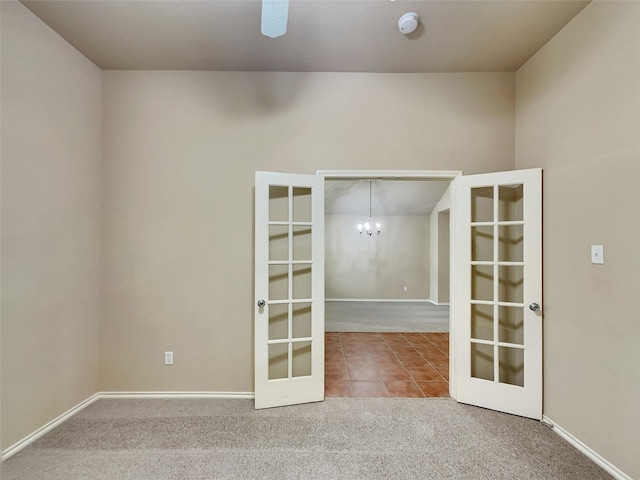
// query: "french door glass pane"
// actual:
[[301, 204], [482, 282], [302, 243], [278, 203], [301, 320], [482, 322], [301, 365], [511, 282], [482, 204], [512, 366], [482, 243], [511, 246], [510, 204], [482, 361], [278, 322], [278, 361], [302, 281], [278, 242], [278, 282], [511, 327]]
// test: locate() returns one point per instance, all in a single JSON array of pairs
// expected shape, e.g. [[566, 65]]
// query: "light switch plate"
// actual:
[[168, 358], [597, 254]]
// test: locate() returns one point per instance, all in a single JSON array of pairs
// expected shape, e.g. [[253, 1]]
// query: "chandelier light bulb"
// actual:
[[366, 227]]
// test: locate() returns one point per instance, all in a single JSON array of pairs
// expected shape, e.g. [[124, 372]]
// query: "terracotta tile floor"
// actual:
[[387, 364]]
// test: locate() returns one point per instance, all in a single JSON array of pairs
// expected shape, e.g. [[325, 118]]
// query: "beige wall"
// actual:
[[180, 151], [377, 267], [51, 151], [439, 241], [578, 117], [444, 240]]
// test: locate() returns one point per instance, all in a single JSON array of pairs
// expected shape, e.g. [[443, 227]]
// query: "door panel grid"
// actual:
[[290, 278], [496, 280]]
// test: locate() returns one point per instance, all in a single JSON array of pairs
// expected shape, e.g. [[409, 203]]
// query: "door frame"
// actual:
[[416, 175]]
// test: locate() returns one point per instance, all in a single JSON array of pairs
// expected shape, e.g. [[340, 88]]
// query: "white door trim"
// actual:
[[397, 174]]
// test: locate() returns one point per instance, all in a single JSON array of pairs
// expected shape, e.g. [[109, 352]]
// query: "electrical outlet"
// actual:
[[168, 358], [406, 289]]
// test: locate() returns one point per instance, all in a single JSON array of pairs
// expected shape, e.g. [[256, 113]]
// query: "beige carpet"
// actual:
[[340, 438]]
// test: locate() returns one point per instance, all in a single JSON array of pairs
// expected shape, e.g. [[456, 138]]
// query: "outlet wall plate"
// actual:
[[597, 254]]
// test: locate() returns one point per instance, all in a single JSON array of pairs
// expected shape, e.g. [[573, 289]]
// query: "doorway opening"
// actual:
[[387, 295], [495, 318]]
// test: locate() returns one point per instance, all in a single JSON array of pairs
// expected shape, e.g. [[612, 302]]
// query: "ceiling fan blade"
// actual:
[[275, 14]]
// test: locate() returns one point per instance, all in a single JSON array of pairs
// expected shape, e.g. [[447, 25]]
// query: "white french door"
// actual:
[[289, 289], [497, 291]]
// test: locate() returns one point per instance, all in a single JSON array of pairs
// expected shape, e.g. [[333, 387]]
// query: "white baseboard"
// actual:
[[421, 300], [32, 437], [241, 395], [586, 450], [439, 303]]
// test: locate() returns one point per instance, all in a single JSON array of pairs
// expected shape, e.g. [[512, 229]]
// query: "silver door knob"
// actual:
[[534, 307], [261, 303]]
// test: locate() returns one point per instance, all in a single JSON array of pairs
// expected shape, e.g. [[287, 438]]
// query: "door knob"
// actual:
[[534, 307], [261, 303]]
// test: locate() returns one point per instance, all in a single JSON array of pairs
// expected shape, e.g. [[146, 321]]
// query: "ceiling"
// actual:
[[388, 197], [322, 35]]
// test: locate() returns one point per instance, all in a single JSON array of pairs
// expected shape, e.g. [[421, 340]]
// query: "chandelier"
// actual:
[[370, 228]]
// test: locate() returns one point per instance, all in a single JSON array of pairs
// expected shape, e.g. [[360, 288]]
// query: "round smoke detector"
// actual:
[[408, 22]]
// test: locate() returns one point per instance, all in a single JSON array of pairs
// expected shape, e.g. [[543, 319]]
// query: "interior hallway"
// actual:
[[386, 364]]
